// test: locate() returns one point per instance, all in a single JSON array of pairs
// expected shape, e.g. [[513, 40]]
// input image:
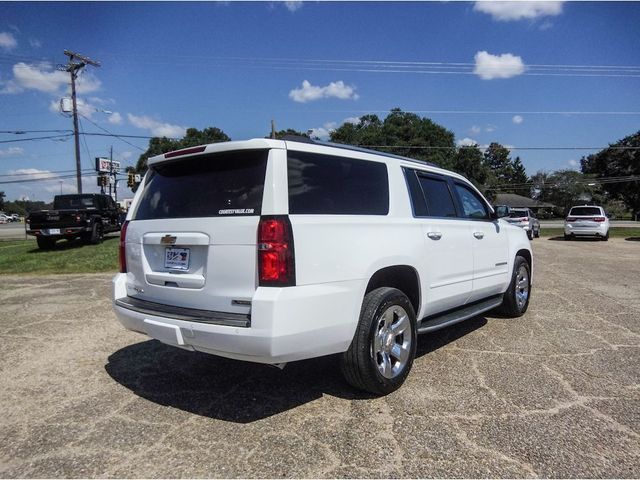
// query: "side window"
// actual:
[[438, 197], [415, 193], [472, 204], [331, 185]]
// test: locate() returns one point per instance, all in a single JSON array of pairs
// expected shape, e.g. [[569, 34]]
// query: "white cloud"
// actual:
[[324, 131], [12, 152], [44, 78], [490, 66], [31, 173], [7, 41], [517, 119], [519, 10], [475, 130], [157, 129], [35, 43], [573, 163], [115, 118], [41, 77], [490, 128], [353, 120], [293, 5], [309, 93], [467, 142]]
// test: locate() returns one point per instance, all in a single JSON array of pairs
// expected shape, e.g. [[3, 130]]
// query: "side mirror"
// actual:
[[501, 211]]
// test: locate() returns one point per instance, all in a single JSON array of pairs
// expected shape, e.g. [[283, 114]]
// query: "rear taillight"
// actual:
[[525, 219], [599, 219], [276, 258], [122, 252]]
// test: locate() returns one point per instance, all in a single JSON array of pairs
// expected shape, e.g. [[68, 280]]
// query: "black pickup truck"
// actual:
[[88, 216]]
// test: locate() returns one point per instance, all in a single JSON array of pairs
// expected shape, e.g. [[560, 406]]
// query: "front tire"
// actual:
[[383, 348], [516, 298]]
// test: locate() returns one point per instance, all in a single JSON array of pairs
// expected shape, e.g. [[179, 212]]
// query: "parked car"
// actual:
[[524, 218], [88, 216], [273, 251], [4, 218], [586, 220], [15, 217]]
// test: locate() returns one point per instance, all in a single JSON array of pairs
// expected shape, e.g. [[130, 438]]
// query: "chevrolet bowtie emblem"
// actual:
[[168, 240]]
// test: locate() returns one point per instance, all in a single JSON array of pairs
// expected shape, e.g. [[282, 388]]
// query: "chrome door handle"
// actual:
[[434, 235], [478, 235]]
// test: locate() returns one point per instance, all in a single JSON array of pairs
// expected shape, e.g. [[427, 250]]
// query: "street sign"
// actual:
[[104, 165]]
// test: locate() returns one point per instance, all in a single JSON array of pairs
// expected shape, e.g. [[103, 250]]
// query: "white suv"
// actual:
[[586, 220], [273, 251]]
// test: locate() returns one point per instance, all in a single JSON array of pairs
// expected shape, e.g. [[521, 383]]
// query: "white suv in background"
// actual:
[[586, 220], [273, 251]]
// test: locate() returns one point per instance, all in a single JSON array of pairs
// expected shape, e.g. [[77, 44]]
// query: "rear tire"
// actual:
[[530, 234], [45, 243], [97, 234], [537, 233], [383, 348], [516, 298]]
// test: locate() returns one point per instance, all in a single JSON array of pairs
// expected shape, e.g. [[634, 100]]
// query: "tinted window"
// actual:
[[323, 184], [205, 186], [68, 202], [415, 192], [518, 213], [472, 204], [584, 211], [438, 197]]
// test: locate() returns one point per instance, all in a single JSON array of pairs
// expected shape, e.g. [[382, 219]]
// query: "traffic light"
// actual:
[[103, 180], [131, 180]]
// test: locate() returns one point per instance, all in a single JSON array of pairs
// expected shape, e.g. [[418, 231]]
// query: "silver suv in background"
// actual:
[[586, 220], [524, 218]]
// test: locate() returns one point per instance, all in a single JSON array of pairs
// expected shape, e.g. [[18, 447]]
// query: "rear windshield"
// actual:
[[213, 185], [584, 211], [517, 213], [330, 185], [69, 202]]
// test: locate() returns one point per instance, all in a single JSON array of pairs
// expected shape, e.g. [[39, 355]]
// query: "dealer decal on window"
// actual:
[[235, 211]]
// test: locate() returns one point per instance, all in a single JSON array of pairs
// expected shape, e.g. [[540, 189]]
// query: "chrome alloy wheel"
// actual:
[[392, 342], [522, 286]]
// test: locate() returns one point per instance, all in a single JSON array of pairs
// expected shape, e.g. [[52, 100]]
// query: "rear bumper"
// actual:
[[286, 324], [64, 232], [600, 230]]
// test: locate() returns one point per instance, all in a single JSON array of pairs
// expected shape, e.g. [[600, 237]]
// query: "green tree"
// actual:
[[280, 134], [469, 162], [564, 188], [192, 138], [621, 159], [400, 133]]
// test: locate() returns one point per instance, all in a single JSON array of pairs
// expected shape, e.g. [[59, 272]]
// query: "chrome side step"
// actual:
[[442, 320]]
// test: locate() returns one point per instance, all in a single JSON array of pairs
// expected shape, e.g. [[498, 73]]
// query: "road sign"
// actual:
[[104, 165]]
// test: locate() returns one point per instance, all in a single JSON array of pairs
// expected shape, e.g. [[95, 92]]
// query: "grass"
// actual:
[[618, 232], [23, 256]]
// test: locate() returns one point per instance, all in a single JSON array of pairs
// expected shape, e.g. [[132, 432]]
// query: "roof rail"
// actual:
[[301, 139]]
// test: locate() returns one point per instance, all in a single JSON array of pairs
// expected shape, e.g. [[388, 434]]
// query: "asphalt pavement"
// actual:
[[555, 393]]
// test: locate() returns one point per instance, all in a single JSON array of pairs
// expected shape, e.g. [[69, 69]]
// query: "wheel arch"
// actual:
[[403, 277], [526, 254]]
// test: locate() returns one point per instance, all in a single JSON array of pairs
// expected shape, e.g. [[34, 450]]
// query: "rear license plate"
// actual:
[[176, 258], [54, 231]]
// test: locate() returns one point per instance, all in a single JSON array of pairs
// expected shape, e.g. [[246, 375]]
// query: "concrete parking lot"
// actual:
[[555, 393]]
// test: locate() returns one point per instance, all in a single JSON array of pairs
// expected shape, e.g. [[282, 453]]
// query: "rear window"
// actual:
[[69, 202], [214, 185], [329, 185], [585, 211], [517, 213]]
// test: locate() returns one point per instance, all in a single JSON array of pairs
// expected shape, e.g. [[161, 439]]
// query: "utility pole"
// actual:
[[76, 63], [273, 129]]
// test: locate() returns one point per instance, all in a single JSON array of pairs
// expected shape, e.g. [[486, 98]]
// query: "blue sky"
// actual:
[[314, 65]]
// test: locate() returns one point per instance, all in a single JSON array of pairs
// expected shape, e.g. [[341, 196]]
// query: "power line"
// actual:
[[108, 133], [49, 137], [43, 179]]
